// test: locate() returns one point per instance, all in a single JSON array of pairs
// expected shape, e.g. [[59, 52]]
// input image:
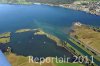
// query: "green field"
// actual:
[[5, 37], [68, 64]]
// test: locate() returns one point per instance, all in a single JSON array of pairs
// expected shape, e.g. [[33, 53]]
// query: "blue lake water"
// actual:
[[13, 17]]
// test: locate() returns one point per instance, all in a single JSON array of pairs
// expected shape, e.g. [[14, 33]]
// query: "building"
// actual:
[[77, 24]]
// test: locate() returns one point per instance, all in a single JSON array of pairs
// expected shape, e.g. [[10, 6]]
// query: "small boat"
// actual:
[[44, 42]]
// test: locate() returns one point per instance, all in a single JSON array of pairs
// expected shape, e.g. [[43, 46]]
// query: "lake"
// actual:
[[13, 17]]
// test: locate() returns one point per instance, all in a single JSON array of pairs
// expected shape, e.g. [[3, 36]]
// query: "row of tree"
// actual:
[[97, 29]]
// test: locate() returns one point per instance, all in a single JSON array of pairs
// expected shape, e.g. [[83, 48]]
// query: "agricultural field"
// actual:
[[87, 36]]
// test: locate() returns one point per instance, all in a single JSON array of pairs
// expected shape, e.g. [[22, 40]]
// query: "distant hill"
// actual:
[[42, 1]]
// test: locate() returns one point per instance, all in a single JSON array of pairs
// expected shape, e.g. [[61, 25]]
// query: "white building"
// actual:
[[77, 24]]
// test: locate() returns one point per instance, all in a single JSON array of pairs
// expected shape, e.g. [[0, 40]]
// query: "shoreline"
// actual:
[[58, 5]]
